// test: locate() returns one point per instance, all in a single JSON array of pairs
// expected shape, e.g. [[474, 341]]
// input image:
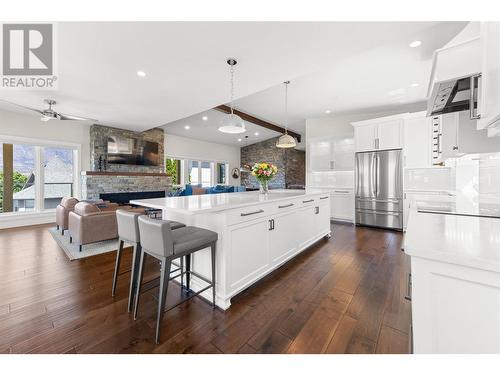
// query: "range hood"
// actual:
[[455, 78], [455, 95]]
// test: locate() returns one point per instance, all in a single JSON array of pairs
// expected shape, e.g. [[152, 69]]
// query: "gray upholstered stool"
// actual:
[[128, 231], [164, 244]]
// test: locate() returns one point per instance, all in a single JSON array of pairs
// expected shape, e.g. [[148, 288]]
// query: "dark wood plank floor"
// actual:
[[343, 295]]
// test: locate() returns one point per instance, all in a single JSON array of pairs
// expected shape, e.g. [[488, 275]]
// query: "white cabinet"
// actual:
[[282, 241], [323, 215], [249, 249], [331, 154], [489, 100], [379, 134], [460, 136], [342, 205], [455, 309], [418, 141], [365, 137]]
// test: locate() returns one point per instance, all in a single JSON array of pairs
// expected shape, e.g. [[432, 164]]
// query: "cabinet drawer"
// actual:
[[243, 214]]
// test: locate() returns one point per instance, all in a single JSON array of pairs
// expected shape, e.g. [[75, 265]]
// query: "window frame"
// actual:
[[39, 145], [184, 161]]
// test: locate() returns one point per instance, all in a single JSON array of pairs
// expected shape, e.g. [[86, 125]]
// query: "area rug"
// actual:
[[72, 250]]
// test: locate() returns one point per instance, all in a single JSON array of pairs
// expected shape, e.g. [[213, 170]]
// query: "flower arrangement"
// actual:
[[264, 172]]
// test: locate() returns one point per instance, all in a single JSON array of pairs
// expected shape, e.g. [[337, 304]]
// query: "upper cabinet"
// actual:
[[331, 154], [418, 141], [383, 133], [489, 101]]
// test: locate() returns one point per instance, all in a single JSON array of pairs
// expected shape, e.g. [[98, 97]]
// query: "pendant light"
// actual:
[[286, 140], [231, 123]]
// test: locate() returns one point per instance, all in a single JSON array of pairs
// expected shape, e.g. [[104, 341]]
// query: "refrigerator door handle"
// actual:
[[373, 181], [376, 175], [386, 213]]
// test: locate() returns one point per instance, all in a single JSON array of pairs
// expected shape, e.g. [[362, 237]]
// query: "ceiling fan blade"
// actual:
[[75, 118], [22, 106]]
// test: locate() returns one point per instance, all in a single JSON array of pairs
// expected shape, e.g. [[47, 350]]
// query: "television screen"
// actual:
[[122, 150]]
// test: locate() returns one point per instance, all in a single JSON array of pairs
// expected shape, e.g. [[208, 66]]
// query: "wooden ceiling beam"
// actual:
[[257, 121]]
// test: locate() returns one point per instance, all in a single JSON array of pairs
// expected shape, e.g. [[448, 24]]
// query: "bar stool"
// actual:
[[128, 231], [160, 242]]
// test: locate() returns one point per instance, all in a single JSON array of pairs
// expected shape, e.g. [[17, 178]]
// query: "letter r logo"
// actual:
[[27, 49]]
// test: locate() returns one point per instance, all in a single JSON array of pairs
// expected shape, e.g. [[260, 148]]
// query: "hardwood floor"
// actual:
[[343, 295]]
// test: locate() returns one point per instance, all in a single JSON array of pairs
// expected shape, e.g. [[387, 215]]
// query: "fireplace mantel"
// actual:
[[127, 174]]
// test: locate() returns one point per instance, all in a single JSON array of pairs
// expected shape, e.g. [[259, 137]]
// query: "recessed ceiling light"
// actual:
[[239, 139], [414, 85], [256, 134], [328, 111], [415, 43], [187, 127], [141, 73], [204, 118]]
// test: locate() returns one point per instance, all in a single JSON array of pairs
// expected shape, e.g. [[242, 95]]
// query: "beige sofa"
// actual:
[[62, 212], [88, 223]]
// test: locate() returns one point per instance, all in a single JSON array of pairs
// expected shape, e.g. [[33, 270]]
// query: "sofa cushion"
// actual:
[[69, 202], [84, 208]]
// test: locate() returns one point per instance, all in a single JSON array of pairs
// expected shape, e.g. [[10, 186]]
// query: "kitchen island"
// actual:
[[257, 233]]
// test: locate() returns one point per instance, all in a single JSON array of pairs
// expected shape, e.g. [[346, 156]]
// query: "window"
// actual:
[[34, 177], [197, 172], [221, 171], [206, 173], [57, 175], [193, 172]]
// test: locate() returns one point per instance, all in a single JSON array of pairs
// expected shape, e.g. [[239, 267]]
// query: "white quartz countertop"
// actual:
[[464, 240], [219, 202]]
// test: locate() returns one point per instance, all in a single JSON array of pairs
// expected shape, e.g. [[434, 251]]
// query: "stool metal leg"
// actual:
[[188, 271], [212, 249], [140, 276], [182, 273], [136, 257], [162, 293], [117, 267]]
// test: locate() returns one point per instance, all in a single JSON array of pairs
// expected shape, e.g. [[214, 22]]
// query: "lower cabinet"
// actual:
[[342, 205], [259, 245], [455, 309]]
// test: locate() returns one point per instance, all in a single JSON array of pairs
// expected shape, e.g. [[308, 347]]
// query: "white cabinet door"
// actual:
[[320, 155], [342, 206], [323, 215], [306, 230], [365, 137], [489, 100], [249, 251], [418, 142], [389, 135], [282, 237], [343, 154]]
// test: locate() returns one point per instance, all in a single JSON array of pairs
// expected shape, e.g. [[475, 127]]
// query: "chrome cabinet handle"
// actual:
[[341, 191], [473, 90], [332, 165], [316, 210], [271, 224], [324, 197], [286, 205], [252, 213], [310, 200]]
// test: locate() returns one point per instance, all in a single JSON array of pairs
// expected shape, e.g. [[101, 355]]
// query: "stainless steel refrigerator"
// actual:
[[379, 189]]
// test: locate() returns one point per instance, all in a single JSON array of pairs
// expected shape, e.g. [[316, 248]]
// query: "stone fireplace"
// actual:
[[120, 178]]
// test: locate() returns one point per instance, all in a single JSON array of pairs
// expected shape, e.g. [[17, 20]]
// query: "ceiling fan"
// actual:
[[50, 113]]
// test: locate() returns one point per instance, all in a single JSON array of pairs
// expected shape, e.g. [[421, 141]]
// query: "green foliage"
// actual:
[[19, 181], [171, 169]]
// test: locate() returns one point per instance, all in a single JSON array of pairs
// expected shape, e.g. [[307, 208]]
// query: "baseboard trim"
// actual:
[[15, 220]]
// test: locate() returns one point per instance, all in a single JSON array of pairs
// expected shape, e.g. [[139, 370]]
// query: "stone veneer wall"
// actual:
[[99, 147], [291, 164], [93, 185]]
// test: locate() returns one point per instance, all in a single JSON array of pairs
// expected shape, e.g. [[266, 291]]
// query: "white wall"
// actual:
[[188, 148], [341, 125], [21, 125]]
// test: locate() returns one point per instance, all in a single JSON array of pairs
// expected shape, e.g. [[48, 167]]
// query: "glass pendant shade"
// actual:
[[286, 141], [232, 124]]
